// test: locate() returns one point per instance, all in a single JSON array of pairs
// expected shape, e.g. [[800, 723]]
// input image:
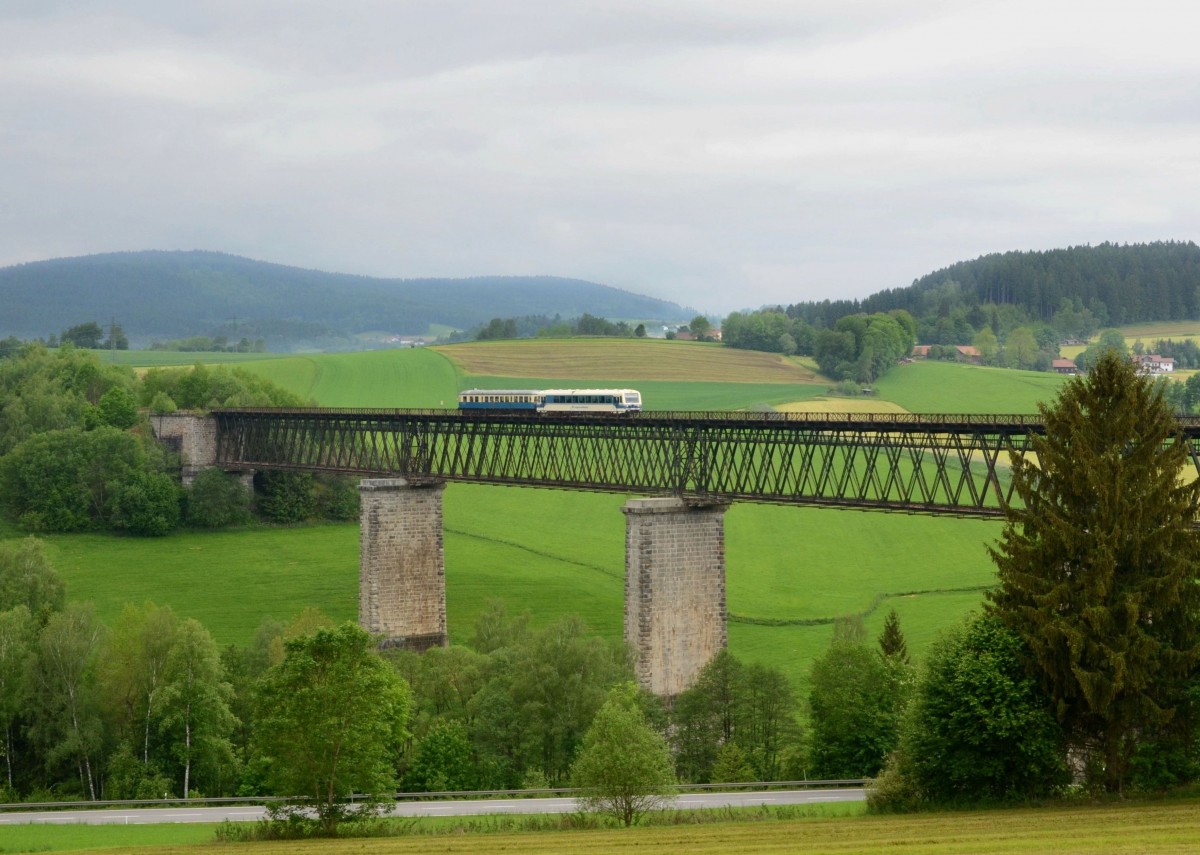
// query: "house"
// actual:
[[966, 352], [1064, 366], [1152, 363]]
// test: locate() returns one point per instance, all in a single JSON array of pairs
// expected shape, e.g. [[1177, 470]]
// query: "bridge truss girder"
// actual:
[[932, 464]]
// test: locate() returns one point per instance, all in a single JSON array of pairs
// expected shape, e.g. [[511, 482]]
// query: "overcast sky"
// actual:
[[719, 153]]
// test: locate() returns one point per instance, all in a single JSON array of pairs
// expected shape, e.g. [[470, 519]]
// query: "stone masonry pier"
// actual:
[[402, 570], [193, 437], [674, 590]]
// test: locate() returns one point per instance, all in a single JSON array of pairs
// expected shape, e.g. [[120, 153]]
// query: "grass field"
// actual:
[[932, 386], [1112, 829], [791, 571], [169, 358], [410, 377]]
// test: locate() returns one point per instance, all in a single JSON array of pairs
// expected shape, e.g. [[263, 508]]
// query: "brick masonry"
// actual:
[[402, 570], [675, 614]]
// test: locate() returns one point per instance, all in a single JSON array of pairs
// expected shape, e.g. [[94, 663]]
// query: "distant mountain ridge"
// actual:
[[175, 294]]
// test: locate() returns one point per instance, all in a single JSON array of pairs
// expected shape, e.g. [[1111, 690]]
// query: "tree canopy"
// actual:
[[1098, 563], [332, 718], [624, 766]]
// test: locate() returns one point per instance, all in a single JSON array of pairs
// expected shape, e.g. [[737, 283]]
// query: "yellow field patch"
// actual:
[[822, 404], [600, 359]]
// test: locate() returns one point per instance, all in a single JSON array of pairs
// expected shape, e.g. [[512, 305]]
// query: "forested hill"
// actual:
[[1120, 284], [178, 294]]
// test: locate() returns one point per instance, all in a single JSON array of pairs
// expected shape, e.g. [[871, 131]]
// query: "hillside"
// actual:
[[1119, 284], [179, 294]]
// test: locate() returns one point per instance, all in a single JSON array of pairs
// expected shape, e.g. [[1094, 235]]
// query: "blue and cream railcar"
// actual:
[[590, 400], [500, 399], [552, 400]]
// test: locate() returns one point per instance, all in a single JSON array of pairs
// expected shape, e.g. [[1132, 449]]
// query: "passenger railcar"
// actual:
[[590, 400], [500, 399], [552, 400]]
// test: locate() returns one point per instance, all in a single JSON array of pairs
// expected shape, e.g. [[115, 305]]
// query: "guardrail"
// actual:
[[447, 794]]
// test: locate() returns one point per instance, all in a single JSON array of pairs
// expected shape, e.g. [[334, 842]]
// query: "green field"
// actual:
[[932, 386], [790, 570], [1109, 829], [172, 358]]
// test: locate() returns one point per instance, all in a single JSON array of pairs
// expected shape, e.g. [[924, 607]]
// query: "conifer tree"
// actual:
[[1098, 564], [891, 640]]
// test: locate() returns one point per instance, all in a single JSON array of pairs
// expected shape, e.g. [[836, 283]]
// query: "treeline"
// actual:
[[1118, 284], [77, 452], [214, 344], [149, 706], [543, 326], [858, 347]]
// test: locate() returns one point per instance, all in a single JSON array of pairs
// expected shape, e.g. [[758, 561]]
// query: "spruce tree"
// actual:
[[1098, 564], [891, 640]]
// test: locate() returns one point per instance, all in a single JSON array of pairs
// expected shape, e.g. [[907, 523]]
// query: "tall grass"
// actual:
[[1164, 828]]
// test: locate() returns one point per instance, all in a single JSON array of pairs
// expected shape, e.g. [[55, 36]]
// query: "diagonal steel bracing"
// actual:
[[957, 464]]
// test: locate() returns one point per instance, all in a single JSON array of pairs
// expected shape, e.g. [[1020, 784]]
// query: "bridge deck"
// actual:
[[939, 463]]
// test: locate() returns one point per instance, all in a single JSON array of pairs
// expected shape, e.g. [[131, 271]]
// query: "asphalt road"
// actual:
[[249, 813]]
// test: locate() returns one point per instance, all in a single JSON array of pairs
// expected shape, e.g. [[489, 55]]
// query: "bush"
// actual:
[[337, 497], [980, 729], [147, 504], [286, 497], [217, 499]]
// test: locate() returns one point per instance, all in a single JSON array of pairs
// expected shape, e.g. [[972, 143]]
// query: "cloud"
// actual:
[[718, 154]]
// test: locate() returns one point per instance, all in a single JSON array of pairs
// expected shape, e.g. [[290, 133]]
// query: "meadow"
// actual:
[[791, 570], [1085, 829]]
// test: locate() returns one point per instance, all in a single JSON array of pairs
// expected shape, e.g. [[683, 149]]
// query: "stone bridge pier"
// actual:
[[402, 567], [675, 615]]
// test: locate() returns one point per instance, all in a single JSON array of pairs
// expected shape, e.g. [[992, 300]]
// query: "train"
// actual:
[[552, 400]]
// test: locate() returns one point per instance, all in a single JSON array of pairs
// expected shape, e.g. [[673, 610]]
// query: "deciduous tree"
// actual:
[[980, 727], [28, 578], [624, 766], [66, 712], [331, 721], [856, 701], [17, 634], [196, 718]]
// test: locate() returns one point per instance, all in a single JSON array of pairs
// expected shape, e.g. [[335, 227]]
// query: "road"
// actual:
[[250, 813]]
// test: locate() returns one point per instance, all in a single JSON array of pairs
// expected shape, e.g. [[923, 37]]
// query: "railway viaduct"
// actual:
[[683, 469]]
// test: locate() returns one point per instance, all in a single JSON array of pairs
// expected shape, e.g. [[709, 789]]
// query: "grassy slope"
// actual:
[[414, 377], [930, 386], [556, 551]]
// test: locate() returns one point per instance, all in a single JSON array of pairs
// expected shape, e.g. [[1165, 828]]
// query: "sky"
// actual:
[[723, 154]]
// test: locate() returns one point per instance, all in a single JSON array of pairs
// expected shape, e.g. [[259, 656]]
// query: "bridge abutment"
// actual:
[[402, 570], [675, 615], [193, 437]]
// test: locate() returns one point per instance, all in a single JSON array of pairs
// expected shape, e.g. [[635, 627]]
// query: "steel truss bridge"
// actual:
[[948, 464]]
